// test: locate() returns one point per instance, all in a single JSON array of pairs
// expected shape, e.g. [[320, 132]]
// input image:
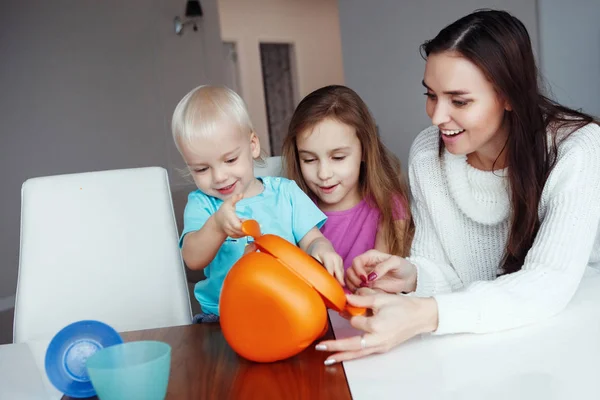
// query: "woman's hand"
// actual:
[[377, 270], [395, 319]]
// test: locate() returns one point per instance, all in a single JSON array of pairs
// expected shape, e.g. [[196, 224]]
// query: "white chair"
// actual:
[[271, 167], [99, 245]]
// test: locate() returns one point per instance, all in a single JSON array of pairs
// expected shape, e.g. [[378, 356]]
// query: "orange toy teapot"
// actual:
[[274, 302]]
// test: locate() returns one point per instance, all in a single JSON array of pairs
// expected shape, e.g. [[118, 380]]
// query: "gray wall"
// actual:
[[91, 85], [380, 46], [570, 51]]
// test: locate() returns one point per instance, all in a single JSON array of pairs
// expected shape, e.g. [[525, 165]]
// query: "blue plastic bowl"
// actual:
[[68, 352], [131, 371]]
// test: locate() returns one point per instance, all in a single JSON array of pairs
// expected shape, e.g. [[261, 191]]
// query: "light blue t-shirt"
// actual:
[[282, 209]]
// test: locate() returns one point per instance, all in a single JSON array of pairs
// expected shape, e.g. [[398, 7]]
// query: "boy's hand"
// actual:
[[226, 218], [250, 248]]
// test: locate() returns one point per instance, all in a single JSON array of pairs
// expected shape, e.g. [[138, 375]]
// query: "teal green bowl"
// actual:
[[130, 371]]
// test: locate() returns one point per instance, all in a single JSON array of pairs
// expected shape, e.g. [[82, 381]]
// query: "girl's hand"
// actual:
[[226, 218], [321, 249], [323, 252], [381, 271]]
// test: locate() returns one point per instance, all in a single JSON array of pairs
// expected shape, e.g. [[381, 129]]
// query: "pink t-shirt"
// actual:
[[353, 231]]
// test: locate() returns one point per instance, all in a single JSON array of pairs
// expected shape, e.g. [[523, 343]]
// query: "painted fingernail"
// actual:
[[363, 278], [330, 361], [372, 276], [363, 284], [321, 347]]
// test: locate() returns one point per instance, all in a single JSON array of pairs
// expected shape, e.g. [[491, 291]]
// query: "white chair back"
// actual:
[[99, 245], [272, 167]]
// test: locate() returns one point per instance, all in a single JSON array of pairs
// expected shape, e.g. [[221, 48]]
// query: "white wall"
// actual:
[[91, 85], [311, 25], [570, 51], [380, 46]]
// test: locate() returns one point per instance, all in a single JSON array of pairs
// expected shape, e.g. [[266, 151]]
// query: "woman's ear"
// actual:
[[254, 145], [501, 100]]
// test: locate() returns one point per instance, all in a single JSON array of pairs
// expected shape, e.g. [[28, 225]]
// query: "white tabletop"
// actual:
[[556, 359], [22, 373]]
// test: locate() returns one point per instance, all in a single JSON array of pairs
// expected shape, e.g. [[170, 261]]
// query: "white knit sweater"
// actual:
[[462, 224]]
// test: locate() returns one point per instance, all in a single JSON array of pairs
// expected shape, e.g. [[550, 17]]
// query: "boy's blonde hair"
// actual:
[[201, 110]]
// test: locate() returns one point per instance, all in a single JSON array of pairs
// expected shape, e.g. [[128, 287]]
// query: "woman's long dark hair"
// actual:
[[499, 45]]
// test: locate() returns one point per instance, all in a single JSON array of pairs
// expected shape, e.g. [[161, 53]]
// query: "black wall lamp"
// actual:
[[193, 11]]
